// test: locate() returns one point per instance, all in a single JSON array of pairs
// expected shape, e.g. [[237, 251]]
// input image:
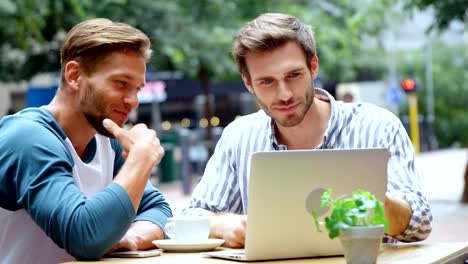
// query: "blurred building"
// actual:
[[375, 92], [185, 103]]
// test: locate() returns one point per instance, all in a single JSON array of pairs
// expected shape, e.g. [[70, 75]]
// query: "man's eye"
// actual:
[[120, 83], [294, 74], [266, 82]]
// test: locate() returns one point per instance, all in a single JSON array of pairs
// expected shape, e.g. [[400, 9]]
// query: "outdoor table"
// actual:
[[396, 253]]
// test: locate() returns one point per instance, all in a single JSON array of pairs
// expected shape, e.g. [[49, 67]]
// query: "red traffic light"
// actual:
[[409, 85]]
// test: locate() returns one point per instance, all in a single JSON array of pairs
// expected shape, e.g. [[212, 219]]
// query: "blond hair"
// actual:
[[270, 31], [92, 41]]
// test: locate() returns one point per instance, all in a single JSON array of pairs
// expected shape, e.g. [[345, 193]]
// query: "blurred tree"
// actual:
[[343, 30], [31, 35], [450, 66], [191, 36], [445, 10], [194, 37]]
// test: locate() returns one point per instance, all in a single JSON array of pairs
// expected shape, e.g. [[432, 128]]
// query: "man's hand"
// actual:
[[144, 151], [229, 227], [398, 213], [138, 139], [139, 237]]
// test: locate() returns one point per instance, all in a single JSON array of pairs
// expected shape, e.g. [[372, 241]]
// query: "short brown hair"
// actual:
[[270, 31], [91, 41]]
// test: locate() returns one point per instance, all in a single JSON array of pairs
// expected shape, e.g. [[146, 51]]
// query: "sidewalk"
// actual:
[[442, 173], [443, 182]]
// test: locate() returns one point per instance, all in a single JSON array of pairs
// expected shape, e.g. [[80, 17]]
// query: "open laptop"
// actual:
[[284, 188]]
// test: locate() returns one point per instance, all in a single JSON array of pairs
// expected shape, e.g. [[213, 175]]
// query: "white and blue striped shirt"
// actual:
[[223, 187]]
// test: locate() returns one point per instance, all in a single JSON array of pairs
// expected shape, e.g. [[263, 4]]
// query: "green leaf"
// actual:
[[359, 210], [325, 198]]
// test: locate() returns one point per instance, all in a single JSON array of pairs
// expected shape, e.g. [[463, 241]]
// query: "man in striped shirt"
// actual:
[[276, 57]]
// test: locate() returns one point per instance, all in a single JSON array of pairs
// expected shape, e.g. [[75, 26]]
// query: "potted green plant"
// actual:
[[359, 221]]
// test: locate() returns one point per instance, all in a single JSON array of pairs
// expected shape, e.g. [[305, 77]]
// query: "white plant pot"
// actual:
[[361, 244]]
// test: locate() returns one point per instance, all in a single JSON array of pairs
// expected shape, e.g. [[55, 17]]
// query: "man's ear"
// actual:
[[72, 74], [314, 67], [247, 83]]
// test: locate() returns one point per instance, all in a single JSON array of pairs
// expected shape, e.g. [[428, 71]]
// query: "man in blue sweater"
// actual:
[[73, 183]]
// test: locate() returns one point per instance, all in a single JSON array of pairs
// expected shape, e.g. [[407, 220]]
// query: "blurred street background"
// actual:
[[409, 56]]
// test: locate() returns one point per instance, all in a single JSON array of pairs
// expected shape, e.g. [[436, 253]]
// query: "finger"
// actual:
[[230, 242], [241, 235], [132, 245], [159, 152], [235, 241], [240, 231], [112, 127], [127, 244], [238, 237], [119, 133], [118, 246], [151, 133], [244, 221], [156, 143]]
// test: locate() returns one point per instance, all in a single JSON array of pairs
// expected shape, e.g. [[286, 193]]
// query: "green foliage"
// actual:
[[30, 36], [445, 10], [450, 67], [190, 35], [197, 35], [342, 29], [363, 209]]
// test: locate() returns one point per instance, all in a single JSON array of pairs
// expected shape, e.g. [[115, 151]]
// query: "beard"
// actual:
[[293, 119], [94, 110]]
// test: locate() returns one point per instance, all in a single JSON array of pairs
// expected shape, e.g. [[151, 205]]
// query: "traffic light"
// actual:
[[409, 85]]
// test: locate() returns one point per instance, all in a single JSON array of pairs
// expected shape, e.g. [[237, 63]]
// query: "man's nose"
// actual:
[[131, 99], [284, 92]]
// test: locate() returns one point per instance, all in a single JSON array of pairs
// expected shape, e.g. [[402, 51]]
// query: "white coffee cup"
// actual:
[[188, 229]]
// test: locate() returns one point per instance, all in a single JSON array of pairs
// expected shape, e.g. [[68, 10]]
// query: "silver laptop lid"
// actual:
[[285, 186]]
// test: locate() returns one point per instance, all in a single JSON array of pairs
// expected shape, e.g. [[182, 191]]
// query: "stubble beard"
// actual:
[[92, 108], [292, 119]]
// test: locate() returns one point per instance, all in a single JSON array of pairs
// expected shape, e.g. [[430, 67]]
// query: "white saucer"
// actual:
[[172, 245]]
